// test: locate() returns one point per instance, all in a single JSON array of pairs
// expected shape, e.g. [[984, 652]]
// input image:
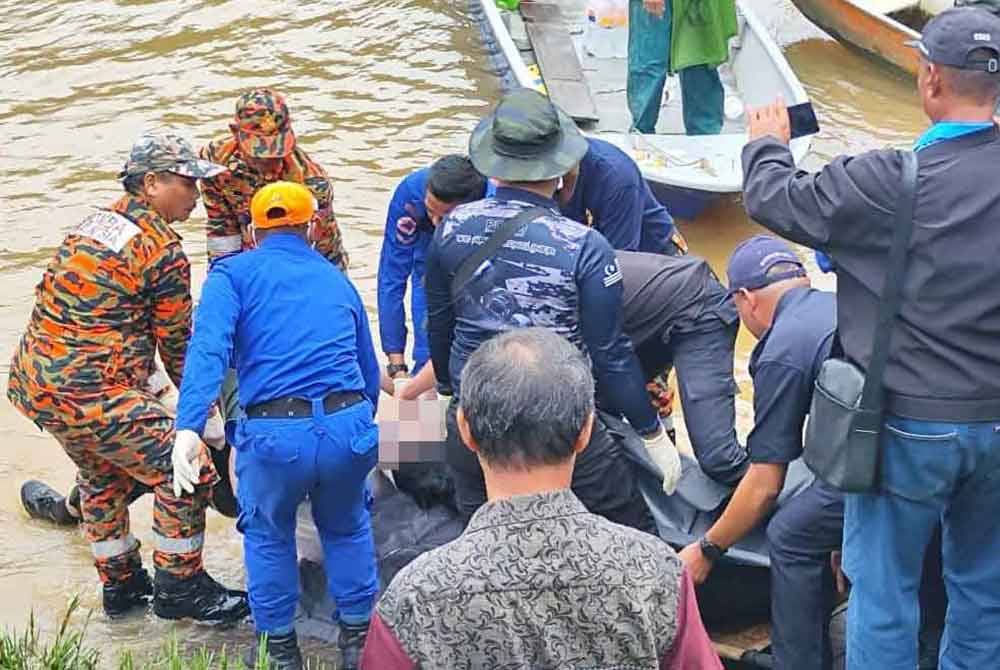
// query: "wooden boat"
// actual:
[[542, 45], [880, 27]]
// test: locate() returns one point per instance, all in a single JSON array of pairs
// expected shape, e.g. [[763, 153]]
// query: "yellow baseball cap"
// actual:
[[282, 203]]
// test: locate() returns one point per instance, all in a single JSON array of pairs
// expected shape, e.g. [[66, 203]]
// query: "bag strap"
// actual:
[[501, 234], [892, 291]]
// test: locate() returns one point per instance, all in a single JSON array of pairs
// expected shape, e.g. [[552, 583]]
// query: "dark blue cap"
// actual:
[[952, 36], [750, 266]]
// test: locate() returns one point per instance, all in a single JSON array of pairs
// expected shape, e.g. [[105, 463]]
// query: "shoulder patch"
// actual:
[[612, 275], [109, 228]]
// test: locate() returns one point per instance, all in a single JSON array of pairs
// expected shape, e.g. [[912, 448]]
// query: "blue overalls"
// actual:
[[296, 329]]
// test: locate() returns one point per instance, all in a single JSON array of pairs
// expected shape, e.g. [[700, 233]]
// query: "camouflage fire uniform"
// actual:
[[262, 129], [117, 290]]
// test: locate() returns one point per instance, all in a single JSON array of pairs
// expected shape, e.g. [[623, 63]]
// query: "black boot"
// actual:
[[120, 597], [282, 653], [351, 642], [199, 597], [41, 501]]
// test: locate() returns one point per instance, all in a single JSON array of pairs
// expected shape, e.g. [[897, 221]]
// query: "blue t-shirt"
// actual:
[[783, 366], [614, 198]]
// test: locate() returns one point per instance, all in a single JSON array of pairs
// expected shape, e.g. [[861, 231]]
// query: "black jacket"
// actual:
[[945, 357]]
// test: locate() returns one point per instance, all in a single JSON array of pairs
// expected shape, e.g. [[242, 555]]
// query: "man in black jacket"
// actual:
[[940, 446]]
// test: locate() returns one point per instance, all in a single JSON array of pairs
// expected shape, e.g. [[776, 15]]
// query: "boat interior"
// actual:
[[912, 13], [552, 40]]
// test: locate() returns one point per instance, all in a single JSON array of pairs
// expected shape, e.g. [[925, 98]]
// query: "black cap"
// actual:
[[951, 37]]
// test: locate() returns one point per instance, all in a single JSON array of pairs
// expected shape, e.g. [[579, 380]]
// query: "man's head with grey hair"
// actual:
[[527, 400]]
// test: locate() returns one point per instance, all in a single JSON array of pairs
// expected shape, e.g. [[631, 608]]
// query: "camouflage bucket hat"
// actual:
[[167, 152], [263, 127], [526, 138]]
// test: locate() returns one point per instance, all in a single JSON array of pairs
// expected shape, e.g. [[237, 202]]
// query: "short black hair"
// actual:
[[526, 395], [133, 183], [977, 86], [454, 180]]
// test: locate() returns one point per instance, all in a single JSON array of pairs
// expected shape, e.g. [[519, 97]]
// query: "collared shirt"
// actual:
[[227, 200], [117, 291], [784, 365], [408, 233], [942, 364], [613, 198], [538, 582], [294, 322], [554, 273]]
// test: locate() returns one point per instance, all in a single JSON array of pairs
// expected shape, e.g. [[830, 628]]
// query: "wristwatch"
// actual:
[[712, 551], [393, 369]]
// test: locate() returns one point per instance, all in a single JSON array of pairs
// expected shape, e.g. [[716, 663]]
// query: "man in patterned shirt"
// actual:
[[260, 149], [117, 292], [536, 581]]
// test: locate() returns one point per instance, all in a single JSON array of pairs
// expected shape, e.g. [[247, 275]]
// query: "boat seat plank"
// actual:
[[558, 60], [888, 6]]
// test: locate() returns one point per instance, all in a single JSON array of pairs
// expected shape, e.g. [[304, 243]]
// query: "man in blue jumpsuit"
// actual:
[[795, 327], [419, 203], [308, 383], [553, 273], [607, 192]]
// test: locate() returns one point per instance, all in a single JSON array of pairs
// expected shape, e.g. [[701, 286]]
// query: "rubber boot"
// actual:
[[122, 596], [43, 502], [282, 653], [351, 642], [199, 597]]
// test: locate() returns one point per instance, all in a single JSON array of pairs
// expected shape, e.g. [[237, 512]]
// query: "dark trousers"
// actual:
[[801, 536], [604, 478], [703, 358]]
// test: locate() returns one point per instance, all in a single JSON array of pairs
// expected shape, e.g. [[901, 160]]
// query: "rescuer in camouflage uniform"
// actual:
[[117, 292], [262, 149]]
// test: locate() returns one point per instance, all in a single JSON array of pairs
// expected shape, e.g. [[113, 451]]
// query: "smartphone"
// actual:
[[803, 120]]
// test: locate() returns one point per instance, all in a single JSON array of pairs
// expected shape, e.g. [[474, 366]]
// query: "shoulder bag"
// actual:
[[841, 444]]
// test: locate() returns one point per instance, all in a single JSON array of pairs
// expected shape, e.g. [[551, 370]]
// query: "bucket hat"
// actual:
[[526, 138]]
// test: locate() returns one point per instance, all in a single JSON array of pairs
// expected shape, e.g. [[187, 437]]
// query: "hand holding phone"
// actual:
[[782, 123]]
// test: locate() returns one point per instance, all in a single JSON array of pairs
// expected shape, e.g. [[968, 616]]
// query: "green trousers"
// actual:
[[648, 63]]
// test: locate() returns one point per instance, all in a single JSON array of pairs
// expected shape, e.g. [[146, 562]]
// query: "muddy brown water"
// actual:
[[376, 87]]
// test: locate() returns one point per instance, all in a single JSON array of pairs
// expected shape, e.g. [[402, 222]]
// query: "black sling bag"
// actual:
[[841, 444], [503, 232]]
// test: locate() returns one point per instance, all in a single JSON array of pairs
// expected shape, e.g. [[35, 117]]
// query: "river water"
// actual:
[[377, 88]]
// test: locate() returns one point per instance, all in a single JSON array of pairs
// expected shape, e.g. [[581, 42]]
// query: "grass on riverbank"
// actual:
[[69, 651]]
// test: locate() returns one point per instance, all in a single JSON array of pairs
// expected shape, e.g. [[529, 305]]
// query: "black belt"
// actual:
[[297, 408]]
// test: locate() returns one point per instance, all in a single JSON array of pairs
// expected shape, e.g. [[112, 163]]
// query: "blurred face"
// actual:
[[437, 209], [565, 194], [172, 196]]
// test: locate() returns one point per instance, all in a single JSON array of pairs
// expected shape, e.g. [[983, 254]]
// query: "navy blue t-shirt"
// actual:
[[784, 365], [613, 198]]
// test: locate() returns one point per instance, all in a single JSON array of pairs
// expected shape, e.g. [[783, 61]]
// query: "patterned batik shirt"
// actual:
[[227, 200], [538, 582], [118, 290]]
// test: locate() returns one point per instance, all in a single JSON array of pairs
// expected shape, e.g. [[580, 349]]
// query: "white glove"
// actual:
[[664, 454], [186, 461], [214, 434]]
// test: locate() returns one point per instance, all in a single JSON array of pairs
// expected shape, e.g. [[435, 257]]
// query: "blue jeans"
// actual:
[[279, 463], [931, 473]]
